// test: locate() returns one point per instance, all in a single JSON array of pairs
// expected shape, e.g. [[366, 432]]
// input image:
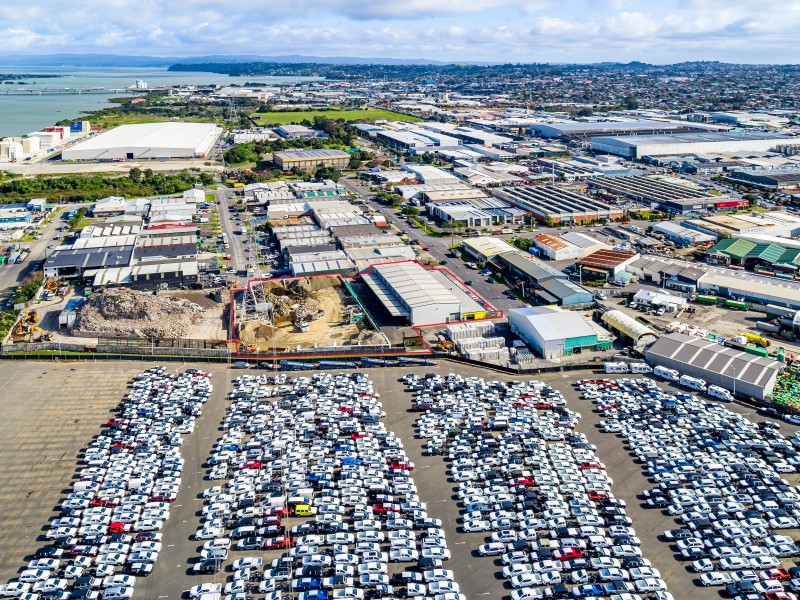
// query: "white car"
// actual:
[[14, 589], [205, 588], [716, 578]]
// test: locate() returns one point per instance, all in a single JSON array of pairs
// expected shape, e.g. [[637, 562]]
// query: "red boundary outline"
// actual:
[[499, 314]]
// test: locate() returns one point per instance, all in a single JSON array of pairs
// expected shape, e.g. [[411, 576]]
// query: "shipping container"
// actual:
[[736, 304], [757, 350], [706, 299]]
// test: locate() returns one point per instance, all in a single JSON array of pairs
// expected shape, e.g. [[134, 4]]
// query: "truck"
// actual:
[[693, 383], [758, 340], [617, 367], [641, 368], [664, 372], [720, 393], [705, 299]]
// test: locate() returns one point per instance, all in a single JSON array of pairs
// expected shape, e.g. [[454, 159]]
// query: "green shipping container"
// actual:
[[758, 351], [736, 304]]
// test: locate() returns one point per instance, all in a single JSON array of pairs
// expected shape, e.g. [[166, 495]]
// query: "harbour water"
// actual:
[[23, 113]]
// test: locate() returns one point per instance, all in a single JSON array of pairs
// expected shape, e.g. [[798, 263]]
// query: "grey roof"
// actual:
[[90, 258], [166, 250], [553, 324], [715, 358], [688, 138], [535, 269], [564, 288]]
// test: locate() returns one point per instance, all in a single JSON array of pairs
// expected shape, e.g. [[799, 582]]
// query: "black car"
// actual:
[[47, 552], [208, 567]]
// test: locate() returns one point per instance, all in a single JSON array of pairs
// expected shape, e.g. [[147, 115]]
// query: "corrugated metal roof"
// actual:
[[627, 325], [711, 356], [553, 324], [414, 284]]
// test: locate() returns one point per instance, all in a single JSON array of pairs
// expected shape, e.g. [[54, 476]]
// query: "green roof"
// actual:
[[769, 253], [790, 257], [733, 247]]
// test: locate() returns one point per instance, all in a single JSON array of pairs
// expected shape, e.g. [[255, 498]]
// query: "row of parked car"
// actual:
[[316, 498], [535, 488], [719, 475], [108, 529]]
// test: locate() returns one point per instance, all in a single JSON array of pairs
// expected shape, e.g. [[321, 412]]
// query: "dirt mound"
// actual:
[[137, 314], [314, 284]]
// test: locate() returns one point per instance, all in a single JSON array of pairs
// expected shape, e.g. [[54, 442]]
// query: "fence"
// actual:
[[138, 351]]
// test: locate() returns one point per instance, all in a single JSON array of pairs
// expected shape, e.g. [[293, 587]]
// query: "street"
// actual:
[[438, 248]]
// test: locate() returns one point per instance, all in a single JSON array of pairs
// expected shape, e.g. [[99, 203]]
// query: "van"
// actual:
[[720, 393], [86, 486], [693, 383], [118, 593], [618, 367], [303, 510], [641, 368], [669, 374]]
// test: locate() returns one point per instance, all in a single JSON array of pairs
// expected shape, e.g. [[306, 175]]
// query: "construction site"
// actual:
[[298, 314]]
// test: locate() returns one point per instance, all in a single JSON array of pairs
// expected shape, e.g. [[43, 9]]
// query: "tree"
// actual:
[[631, 103], [411, 211], [135, 174], [585, 112], [354, 163], [328, 173]]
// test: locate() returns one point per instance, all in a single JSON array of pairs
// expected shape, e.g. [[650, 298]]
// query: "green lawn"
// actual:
[[283, 118]]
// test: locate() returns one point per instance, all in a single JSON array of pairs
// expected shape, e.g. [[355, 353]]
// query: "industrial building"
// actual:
[[539, 280], [555, 205], [639, 334], [660, 299], [738, 371], [605, 264], [591, 129], [486, 248], [640, 146], [408, 291], [772, 224], [682, 236], [554, 333], [310, 159], [145, 141], [771, 179], [295, 132], [431, 175], [671, 197]]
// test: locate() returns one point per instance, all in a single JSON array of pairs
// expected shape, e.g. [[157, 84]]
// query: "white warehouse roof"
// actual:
[[414, 284], [148, 140]]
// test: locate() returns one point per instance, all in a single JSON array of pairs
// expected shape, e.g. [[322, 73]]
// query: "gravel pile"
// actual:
[[137, 314]]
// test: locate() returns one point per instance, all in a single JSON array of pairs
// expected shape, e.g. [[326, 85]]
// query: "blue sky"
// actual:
[[658, 31]]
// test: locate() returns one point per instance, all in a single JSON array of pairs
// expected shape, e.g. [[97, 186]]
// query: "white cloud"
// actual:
[[461, 30]]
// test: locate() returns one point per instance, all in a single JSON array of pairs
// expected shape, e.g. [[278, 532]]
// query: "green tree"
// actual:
[[354, 163], [411, 211], [328, 173], [630, 102], [135, 174]]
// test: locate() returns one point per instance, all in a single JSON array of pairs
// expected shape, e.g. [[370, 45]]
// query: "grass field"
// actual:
[[283, 118]]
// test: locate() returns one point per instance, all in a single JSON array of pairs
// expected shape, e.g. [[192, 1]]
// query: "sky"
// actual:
[[655, 31]]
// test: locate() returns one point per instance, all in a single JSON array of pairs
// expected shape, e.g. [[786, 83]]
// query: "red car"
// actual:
[[382, 508], [593, 465], [83, 550], [277, 542], [421, 407], [358, 435], [523, 481], [119, 527], [253, 464], [105, 502], [601, 409], [346, 409], [544, 406], [779, 574], [402, 466], [279, 511], [779, 596], [595, 495], [568, 553], [519, 405]]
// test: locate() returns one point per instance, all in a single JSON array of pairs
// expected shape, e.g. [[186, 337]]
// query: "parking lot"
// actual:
[[65, 405]]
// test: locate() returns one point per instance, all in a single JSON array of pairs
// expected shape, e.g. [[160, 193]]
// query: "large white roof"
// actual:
[[148, 140], [414, 284]]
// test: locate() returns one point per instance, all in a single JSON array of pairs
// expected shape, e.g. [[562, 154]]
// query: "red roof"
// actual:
[[606, 259]]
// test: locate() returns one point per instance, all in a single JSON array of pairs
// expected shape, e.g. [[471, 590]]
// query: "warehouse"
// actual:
[[408, 291], [751, 287], [744, 373], [682, 236], [770, 179], [577, 129], [554, 333], [431, 175], [640, 335], [486, 248], [554, 205], [310, 159], [146, 141], [659, 299], [528, 269], [640, 146], [563, 292], [556, 248], [76, 261], [604, 265]]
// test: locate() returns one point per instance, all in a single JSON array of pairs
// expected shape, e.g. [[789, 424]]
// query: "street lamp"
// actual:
[[734, 378]]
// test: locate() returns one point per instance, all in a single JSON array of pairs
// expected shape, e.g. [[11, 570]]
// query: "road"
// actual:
[[225, 199], [438, 249], [11, 275]]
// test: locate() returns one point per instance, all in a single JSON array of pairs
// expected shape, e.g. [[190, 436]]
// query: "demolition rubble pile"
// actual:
[[137, 314]]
